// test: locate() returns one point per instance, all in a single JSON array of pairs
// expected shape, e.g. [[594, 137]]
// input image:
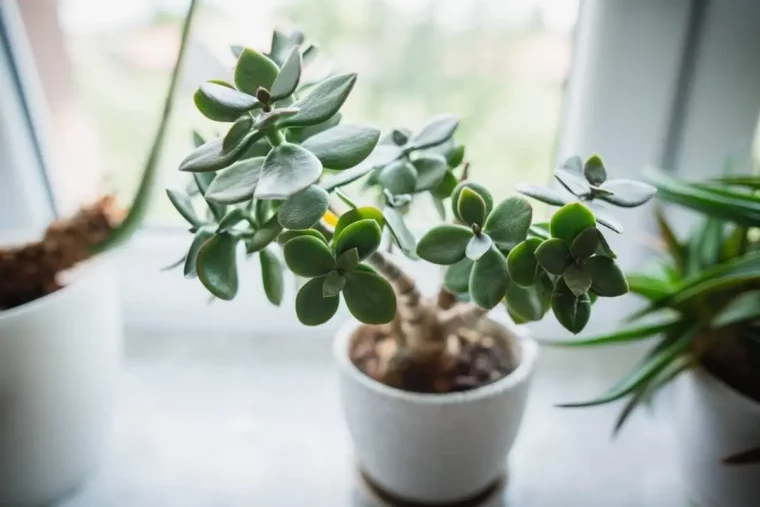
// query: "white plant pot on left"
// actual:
[[58, 360]]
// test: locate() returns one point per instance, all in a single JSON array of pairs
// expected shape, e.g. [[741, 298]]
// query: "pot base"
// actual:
[[478, 500]]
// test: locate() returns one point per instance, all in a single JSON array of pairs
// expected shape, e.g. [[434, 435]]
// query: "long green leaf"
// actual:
[[649, 287], [675, 249], [141, 202], [626, 335], [750, 181]]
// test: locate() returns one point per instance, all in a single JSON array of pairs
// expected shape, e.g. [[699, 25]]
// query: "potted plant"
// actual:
[[704, 301], [60, 338], [433, 390]]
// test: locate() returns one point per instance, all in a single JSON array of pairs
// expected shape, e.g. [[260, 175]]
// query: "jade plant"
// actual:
[[276, 181], [703, 298]]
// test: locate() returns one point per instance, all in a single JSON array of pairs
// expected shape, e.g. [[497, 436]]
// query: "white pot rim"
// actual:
[[719, 388], [528, 357]]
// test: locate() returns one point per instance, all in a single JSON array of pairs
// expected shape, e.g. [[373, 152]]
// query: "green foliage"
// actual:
[[312, 307], [322, 102], [369, 297], [570, 220], [253, 71], [362, 235], [343, 146], [307, 256], [522, 263], [489, 279], [304, 209], [471, 208], [217, 267], [444, 244]]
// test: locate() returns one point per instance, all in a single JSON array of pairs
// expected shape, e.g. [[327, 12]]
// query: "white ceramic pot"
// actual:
[[433, 448], [58, 359], [712, 422]]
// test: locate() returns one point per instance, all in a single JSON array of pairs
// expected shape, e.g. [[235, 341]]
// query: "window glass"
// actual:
[[500, 65]]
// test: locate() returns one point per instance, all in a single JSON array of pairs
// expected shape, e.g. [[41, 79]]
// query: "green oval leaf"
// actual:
[[609, 222], [607, 279], [446, 186], [217, 267], [348, 260], [343, 146], [627, 193], [478, 188], [369, 297], [543, 194], [287, 170], [212, 157], [577, 280], [332, 284], [471, 208], [271, 276], [304, 209], [572, 183], [455, 156], [594, 170], [345, 177], [264, 235], [236, 183], [356, 214], [571, 311], [231, 219], [431, 169], [585, 244], [457, 276], [286, 236], [254, 70], [570, 220], [201, 236], [221, 102], [312, 308], [400, 232], [287, 79], [509, 222], [573, 165], [269, 120], [307, 256], [181, 202], [525, 302], [444, 244], [489, 279], [322, 102], [237, 133], [436, 131], [364, 235], [522, 262], [399, 177], [554, 256], [477, 246]]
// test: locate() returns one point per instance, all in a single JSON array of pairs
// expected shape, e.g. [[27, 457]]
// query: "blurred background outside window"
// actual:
[[502, 66]]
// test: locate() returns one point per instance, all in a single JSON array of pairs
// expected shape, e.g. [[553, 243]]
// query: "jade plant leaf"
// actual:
[[572, 183], [431, 169], [571, 311], [221, 102], [585, 244], [438, 130], [345, 177], [307, 256], [401, 233], [364, 235], [322, 102], [348, 260], [399, 177], [287, 79], [286, 236], [570, 220], [312, 308], [525, 302], [554, 256], [254, 70], [607, 278], [231, 219], [627, 193], [444, 244], [332, 284], [594, 170], [236, 183], [522, 263], [304, 209], [543, 194], [369, 297], [478, 188], [271, 276], [217, 267], [237, 133], [287, 170], [577, 280], [457, 276], [573, 165], [509, 222], [607, 221], [477, 246], [356, 214], [211, 155], [201, 236], [471, 207], [446, 186], [489, 279], [182, 203], [455, 156], [264, 235], [343, 146]]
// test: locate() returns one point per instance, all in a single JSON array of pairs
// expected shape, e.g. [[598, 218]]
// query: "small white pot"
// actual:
[[58, 359], [433, 448], [712, 422]]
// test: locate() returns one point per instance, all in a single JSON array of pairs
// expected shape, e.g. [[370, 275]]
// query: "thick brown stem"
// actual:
[[446, 299], [461, 315]]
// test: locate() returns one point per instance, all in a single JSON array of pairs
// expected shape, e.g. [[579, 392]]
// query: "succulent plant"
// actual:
[[276, 178]]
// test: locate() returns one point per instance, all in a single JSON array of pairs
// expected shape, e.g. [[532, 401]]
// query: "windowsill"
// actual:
[[254, 419]]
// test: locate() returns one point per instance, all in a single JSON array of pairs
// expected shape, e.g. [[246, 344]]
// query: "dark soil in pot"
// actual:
[[734, 358], [471, 358]]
